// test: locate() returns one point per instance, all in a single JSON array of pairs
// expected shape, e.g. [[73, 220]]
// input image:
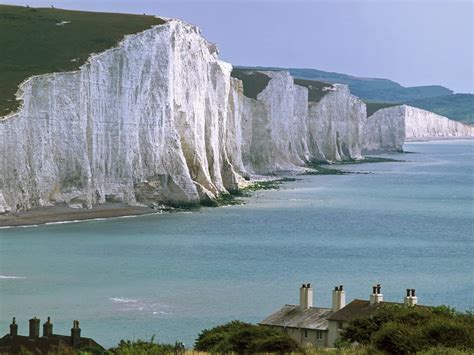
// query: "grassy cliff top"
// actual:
[[373, 107], [36, 41], [254, 82], [316, 89]]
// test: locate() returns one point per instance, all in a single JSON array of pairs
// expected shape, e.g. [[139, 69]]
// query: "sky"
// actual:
[[413, 42]]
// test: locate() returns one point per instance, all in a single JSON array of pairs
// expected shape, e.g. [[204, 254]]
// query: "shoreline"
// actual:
[[62, 214], [427, 139]]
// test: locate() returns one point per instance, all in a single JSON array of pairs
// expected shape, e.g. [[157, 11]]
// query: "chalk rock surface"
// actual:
[[387, 129], [143, 122], [425, 124], [384, 131], [159, 120], [336, 126]]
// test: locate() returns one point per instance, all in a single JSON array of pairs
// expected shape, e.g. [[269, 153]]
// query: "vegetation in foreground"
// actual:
[[393, 329], [244, 338], [36, 41], [396, 329]]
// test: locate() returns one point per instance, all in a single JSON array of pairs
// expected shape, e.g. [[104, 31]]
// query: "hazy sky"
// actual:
[[415, 42]]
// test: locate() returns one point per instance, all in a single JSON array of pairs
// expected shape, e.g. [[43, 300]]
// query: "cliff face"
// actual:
[[159, 119], [384, 131], [387, 129], [336, 125], [425, 124], [143, 122], [283, 131]]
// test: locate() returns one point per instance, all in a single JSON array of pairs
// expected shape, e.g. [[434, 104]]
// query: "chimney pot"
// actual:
[[308, 285], [75, 334], [338, 298], [408, 292], [48, 328], [34, 327], [13, 328], [376, 296], [413, 292]]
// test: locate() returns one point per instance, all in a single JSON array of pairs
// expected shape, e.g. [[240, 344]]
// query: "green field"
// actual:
[[373, 107], [458, 107], [254, 82], [381, 93], [315, 88], [38, 40]]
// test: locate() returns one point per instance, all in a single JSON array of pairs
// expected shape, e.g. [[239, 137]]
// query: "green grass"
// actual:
[[373, 107], [315, 88], [371, 160], [369, 89], [254, 82], [318, 169], [31, 42], [458, 107]]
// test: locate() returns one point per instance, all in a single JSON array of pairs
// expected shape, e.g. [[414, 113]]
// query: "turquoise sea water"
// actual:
[[403, 225]]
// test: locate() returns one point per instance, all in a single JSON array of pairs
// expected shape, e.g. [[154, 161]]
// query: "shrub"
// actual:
[[242, 338], [397, 329], [141, 347], [448, 333], [395, 338]]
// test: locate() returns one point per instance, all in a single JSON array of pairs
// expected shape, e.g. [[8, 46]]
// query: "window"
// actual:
[[305, 333], [340, 325], [319, 334]]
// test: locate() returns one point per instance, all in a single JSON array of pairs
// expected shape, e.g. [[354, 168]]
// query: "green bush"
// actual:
[[141, 347], [395, 338], [397, 329], [243, 338]]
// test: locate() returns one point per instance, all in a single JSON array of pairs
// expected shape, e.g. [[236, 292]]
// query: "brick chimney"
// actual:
[[338, 298], [376, 296], [410, 299], [13, 328], [34, 327], [306, 296], [75, 334], [48, 328]]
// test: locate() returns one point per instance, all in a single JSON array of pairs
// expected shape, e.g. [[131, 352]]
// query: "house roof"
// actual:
[[13, 344], [294, 317], [360, 308]]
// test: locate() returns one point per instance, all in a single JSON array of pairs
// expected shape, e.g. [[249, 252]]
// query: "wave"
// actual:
[[11, 277], [123, 300], [142, 306]]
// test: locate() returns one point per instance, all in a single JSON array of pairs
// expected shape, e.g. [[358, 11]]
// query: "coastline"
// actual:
[[63, 214], [427, 139]]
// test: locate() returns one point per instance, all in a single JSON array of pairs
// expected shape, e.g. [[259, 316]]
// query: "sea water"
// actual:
[[401, 224]]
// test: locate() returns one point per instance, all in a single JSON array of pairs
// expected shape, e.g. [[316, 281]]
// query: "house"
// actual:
[[365, 308], [12, 343], [306, 324], [319, 326]]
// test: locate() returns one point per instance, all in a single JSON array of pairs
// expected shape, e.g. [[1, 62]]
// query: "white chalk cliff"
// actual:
[[159, 119], [425, 124], [148, 121], [387, 129]]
